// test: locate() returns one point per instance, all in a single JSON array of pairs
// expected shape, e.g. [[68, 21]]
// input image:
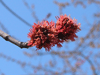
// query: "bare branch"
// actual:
[[91, 64], [31, 10], [4, 28], [12, 40], [14, 13]]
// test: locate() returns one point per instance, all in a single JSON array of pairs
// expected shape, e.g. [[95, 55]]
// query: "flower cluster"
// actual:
[[66, 28], [48, 34]]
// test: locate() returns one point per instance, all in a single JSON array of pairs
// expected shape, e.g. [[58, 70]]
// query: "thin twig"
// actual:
[[14, 13], [91, 64], [4, 28]]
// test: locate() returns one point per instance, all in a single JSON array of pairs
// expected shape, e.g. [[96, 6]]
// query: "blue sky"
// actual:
[[20, 30]]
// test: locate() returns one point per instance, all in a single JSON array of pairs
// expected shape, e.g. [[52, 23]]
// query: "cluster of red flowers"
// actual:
[[48, 34]]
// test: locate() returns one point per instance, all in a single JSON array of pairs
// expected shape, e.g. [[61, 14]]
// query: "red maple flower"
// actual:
[[48, 34], [42, 35], [66, 28]]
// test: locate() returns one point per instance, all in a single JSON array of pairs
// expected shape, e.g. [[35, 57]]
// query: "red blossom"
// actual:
[[42, 35], [48, 34], [66, 28]]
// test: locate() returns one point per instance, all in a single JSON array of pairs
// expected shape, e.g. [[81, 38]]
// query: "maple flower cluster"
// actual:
[[48, 34]]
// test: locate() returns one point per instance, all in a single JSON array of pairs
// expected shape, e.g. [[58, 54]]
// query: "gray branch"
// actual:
[[15, 13], [12, 40]]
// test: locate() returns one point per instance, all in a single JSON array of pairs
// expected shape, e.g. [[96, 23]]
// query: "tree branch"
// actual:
[[12, 40], [15, 13], [91, 64]]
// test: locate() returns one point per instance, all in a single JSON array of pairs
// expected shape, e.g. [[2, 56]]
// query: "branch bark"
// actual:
[[12, 40]]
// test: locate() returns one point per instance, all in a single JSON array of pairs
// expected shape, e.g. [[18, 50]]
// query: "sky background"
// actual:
[[20, 30]]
